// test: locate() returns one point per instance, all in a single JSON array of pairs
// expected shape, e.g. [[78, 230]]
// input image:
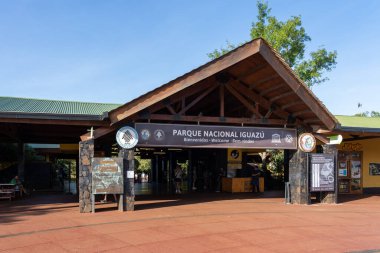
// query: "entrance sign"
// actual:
[[322, 172], [307, 142], [175, 135], [107, 175], [127, 137]]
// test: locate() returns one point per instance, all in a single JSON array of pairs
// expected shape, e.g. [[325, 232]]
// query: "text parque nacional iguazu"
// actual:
[[217, 134]]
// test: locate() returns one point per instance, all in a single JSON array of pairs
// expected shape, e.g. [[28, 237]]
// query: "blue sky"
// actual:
[[113, 51]]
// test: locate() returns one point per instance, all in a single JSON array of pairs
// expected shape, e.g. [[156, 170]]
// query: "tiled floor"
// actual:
[[191, 223]]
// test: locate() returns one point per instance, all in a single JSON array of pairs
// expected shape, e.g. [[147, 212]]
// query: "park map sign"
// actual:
[[107, 175], [208, 136], [322, 172]]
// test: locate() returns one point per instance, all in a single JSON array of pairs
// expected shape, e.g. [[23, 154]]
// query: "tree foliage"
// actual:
[[142, 165], [368, 114], [289, 38]]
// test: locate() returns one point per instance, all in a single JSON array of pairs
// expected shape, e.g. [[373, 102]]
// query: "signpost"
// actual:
[[107, 177]]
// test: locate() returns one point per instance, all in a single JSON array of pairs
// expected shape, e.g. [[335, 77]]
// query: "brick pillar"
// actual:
[[86, 153], [127, 203], [331, 197]]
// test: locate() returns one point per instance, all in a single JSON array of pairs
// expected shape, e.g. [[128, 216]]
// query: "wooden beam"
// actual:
[[283, 95], [221, 98], [185, 81], [170, 108], [268, 114], [266, 104], [210, 119], [310, 121], [250, 71], [181, 96], [99, 132], [272, 88], [183, 102], [247, 104], [251, 86], [297, 102], [208, 91], [298, 113], [297, 86], [322, 138]]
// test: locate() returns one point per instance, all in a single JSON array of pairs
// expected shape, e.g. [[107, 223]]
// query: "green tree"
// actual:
[[367, 113], [142, 165], [289, 39], [373, 114]]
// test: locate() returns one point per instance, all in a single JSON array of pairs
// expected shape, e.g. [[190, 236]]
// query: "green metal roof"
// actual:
[[29, 105], [358, 122], [43, 106]]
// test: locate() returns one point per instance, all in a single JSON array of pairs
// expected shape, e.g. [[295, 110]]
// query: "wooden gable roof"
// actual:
[[261, 87]]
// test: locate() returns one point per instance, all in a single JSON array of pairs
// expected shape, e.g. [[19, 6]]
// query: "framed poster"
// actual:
[[342, 155], [342, 169], [322, 172], [374, 169], [342, 172], [355, 169], [356, 185], [344, 186]]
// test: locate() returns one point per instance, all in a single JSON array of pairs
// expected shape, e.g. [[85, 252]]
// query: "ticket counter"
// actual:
[[240, 184]]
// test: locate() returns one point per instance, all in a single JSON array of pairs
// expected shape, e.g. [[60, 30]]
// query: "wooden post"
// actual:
[[86, 153], [127, 201]]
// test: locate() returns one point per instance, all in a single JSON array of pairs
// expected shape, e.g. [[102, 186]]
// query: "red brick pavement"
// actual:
[[196, 223]]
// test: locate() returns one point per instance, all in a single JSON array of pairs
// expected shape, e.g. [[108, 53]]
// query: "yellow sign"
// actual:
[[351, 147]]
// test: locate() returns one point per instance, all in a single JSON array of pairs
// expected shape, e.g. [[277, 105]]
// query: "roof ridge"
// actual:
[[56, 100]]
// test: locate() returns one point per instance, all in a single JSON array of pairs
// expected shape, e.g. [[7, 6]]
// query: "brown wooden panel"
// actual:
[[205, 119], [185, 81], [297, 86]]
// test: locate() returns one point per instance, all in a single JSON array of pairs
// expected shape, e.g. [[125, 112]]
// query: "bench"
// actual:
[[7, 191]]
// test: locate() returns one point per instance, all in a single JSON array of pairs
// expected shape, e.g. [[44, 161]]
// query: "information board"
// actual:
[[322, 170], [107, 175]]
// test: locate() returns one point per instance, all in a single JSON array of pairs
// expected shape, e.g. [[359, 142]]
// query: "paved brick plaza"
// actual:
[[197, 223]]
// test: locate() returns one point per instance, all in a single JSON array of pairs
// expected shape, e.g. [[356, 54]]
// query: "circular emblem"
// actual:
[[235, 154], [145, 134], [307, 142], [289, 138], [159, 135], [127, 137]]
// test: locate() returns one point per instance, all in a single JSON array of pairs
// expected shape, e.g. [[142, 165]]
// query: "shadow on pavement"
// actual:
[[44, 203]]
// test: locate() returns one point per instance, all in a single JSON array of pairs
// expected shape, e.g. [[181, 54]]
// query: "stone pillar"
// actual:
[[298, 177], [127, 202], [331, 197], [86, 153], [21, 160]]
